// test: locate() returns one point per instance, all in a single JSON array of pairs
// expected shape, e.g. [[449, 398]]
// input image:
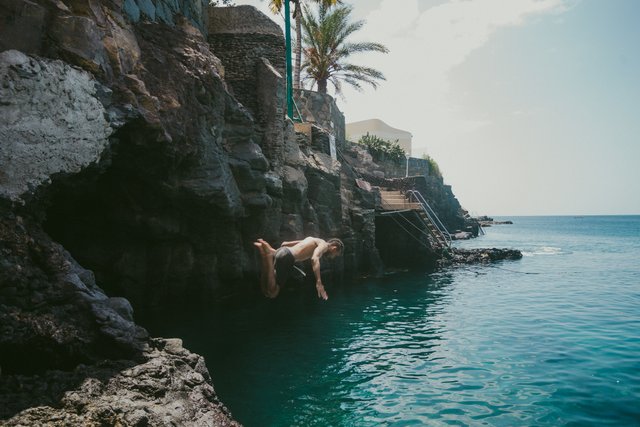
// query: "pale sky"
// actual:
[[530, 107]]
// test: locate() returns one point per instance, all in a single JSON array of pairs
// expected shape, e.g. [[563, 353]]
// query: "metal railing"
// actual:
[[433, 217]]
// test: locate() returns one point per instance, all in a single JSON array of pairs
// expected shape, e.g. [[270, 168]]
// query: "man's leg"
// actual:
[[263, 269], [267, 276]]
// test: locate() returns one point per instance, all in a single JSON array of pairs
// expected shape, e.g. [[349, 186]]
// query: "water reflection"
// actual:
[[345, 359], [466, 346], [391, 350]]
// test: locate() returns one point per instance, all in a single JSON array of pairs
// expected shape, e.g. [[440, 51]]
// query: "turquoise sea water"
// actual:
[[553, 339]]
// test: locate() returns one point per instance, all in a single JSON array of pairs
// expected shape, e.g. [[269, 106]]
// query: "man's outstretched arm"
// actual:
[[315, 263]]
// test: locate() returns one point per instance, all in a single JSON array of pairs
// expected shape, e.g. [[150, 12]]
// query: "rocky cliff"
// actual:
[[140, 155], [125, 151]]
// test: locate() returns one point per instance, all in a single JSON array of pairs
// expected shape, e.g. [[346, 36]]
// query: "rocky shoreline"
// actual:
[[168, 386], [458, 256]]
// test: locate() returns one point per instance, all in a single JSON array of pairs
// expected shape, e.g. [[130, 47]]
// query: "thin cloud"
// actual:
[[425, 47]]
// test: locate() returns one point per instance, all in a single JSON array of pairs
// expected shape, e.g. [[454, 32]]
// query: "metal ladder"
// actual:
[[430, 218], [468, 217]]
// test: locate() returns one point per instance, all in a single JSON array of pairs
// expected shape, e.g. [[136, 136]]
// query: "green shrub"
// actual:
[[382, 149], [434, 169]]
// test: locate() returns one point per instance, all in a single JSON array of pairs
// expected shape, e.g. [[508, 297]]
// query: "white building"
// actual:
[[380, 129]]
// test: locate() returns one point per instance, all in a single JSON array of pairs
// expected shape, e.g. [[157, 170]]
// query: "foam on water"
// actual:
[[542, 250]]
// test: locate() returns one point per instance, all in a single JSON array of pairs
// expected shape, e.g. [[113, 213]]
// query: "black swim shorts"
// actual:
[[283, 265]]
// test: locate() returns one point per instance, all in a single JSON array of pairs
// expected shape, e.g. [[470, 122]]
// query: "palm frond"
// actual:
[[276, 6], [326, 48]]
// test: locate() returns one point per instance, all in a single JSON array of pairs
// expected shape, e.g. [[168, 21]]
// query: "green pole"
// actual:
[[287, 38]]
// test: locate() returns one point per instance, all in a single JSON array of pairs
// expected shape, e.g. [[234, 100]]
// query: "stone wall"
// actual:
[[241, 36], [398, 169], [393, 169], [321, 110]]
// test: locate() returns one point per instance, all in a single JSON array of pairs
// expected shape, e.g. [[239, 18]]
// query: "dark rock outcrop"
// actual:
[[75, 356], [122, 141], [41, 135], [401, 238], [486, 221], [457, 256], [168, 386]]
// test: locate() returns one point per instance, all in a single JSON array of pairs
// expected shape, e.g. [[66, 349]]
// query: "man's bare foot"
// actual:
[[264, 248], [269, 248]]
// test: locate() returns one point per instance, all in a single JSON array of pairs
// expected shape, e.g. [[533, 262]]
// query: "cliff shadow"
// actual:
[[403, 242]]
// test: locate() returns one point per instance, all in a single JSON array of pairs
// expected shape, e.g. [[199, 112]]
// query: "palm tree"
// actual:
[[327, 50], [276, 7]]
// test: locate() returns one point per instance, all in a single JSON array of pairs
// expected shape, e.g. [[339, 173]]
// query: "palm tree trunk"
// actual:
[[298, 60], [322, 85]]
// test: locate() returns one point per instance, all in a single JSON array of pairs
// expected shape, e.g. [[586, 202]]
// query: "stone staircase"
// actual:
[[395, 201]]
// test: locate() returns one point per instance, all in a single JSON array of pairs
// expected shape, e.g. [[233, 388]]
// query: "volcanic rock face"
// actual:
[[128, 163], [120, 140], [50, 122], [75, 356], [119, 137], [176, 178]]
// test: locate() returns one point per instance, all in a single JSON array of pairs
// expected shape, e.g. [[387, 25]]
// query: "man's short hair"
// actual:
[[337, 243]]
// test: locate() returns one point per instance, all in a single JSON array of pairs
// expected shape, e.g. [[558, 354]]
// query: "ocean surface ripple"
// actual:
[[552, 339]]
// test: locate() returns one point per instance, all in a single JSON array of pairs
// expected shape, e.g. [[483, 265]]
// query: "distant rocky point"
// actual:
[[486, 221]]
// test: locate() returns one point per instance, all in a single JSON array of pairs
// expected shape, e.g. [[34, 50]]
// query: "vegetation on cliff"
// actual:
[[433, 166], [382, 149]]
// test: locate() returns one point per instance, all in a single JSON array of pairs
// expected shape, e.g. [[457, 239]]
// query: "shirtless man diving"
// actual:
[[278, 264]]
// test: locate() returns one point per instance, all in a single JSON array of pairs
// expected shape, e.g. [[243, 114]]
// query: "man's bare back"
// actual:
[[300, 250], [303, 250]]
